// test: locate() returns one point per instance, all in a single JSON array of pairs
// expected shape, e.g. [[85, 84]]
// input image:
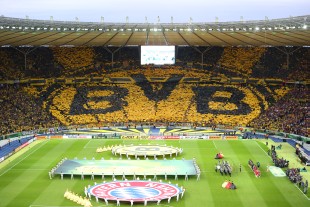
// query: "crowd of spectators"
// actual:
[[153, 100], [145, 101], [223, 104], [74, 59], [230, 61], [290, 114], [21, 112], [241, 60], [9, 67]]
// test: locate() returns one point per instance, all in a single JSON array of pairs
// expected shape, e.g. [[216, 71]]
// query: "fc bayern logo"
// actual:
[[137, 191]]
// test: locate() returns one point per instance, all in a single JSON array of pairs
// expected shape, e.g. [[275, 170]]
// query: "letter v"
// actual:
[[159, 95]]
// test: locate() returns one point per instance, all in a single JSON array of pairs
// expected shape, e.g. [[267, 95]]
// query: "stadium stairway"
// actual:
[[154, 131]]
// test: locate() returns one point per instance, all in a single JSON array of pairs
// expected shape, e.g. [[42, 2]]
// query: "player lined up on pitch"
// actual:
[[223, 167]]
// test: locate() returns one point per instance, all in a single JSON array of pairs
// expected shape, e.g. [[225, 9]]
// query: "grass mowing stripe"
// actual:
[[205, 186], [23, 158], [288, 152], [87, 144], [262, 149], [206, 192], [247, 183], [54, 154], [277, 186], [30, 183], [19, 153], [56, 187], [245, 180], [302, 192]]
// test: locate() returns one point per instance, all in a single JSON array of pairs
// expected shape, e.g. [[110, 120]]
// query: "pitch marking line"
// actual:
[[302, 192], [295, 185], [262, 149], [22, 159], [214, 144], [87, 144]]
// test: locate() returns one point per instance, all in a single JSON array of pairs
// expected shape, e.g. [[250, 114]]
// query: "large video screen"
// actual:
[[157, 55]]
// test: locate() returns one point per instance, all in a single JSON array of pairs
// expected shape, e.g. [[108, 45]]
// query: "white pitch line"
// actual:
[[262, 149], [87, 144], [214, 145], [302, 192], [295, 185], [29, 169], [22, 159]]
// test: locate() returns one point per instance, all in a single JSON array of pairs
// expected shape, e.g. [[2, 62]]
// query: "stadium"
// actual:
[[154, 113]]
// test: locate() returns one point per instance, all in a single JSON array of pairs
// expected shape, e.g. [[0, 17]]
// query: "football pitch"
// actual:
[[24, 180]]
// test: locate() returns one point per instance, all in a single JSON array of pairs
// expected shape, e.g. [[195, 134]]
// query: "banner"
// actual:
[[41, 137], [194, 137], [231, 137], [165, 137], [21, 147], [134, 137], [56, 137], [215, 137]]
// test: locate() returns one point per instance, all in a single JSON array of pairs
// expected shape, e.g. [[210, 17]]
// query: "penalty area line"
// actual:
[[22, 159]]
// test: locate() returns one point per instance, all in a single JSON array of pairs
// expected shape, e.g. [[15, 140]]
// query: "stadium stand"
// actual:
[[235, 86]]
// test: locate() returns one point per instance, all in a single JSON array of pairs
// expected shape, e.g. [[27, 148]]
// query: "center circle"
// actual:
[[134, 192]]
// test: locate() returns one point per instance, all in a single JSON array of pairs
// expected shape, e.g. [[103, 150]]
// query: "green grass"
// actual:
[[24, 181]]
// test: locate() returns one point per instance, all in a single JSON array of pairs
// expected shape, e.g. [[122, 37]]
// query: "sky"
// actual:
[[138, 11]]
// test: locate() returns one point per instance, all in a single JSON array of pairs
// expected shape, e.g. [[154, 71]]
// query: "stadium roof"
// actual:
[[293, 31]]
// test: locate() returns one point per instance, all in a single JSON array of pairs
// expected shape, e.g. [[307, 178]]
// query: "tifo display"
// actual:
[[126, 167], [146, 150], [136, 191]]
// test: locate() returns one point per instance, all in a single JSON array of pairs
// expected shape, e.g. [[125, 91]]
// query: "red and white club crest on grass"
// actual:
[[136, 191]]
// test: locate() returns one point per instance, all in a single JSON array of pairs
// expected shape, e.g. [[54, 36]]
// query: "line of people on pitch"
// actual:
[[255, 168], [223, 167], [278, 162], [294, 175], [52, 171]]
